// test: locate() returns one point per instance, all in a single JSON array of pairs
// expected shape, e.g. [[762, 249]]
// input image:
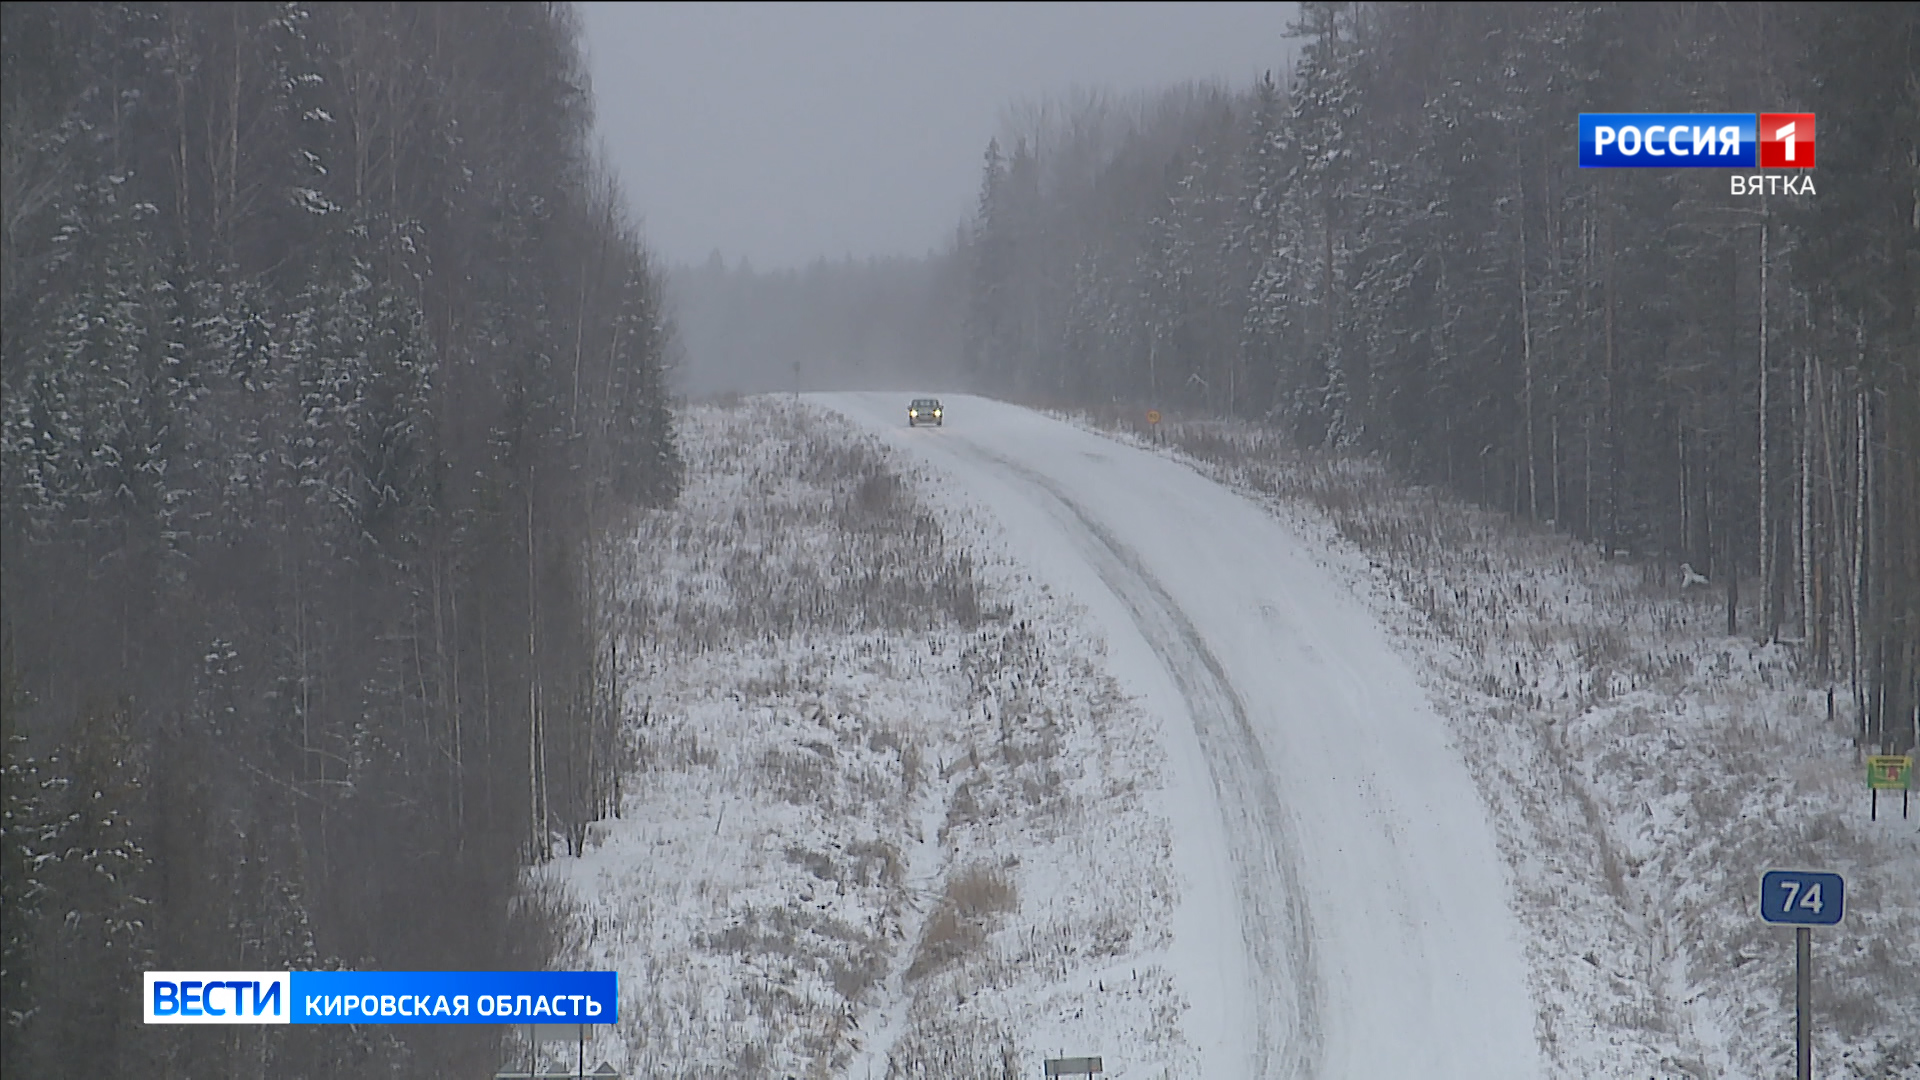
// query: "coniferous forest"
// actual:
[[329, 354], [1391, 249], [332, 360]]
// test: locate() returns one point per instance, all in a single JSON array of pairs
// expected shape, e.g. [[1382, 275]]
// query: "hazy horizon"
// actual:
[[785, 134]]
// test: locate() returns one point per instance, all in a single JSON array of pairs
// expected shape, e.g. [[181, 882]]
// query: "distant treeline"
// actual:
[[1393, 249], [877, 323], [329, 356]]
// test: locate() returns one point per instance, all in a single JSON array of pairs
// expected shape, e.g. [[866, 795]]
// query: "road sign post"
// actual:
[[1803, 899], [1080, 1066], [1803, 1001], [1888, 772], [576, 1034]]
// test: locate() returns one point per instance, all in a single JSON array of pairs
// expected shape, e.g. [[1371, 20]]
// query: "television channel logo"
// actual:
[[1786, 140], [1696, 140], [218, 997], [381, 997]]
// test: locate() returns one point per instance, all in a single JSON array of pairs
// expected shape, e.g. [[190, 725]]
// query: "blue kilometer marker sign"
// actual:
[[1668, 140], [1802, 897]]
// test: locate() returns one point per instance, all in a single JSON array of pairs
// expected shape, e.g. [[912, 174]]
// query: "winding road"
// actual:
[[1344, 909]]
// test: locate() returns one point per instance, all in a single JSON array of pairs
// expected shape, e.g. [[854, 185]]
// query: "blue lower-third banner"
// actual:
[[381, 997]]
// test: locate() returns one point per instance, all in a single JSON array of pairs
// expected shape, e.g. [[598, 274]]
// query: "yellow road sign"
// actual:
[[1153, 416], [1886, 772]]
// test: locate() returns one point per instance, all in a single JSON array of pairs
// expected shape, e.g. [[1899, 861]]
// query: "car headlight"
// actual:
[[936, 412], [913, 412]]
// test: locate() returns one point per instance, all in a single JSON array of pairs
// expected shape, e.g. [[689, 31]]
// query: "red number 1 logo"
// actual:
[[1786, 140]]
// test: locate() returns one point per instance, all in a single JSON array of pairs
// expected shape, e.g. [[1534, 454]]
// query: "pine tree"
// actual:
[[90, 875], [987, 339]]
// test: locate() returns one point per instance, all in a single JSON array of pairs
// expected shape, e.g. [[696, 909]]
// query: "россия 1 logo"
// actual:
[[1786, 140], [1696, 140]]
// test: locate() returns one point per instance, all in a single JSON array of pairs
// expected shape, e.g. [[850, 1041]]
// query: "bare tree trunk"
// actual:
[[1836, 524], [536, 834], [1326, 293], [224, 228], [1859, 568], [420, 685], [1586, 482], [306, 679], [449, 642], [1613, 412], [1806, 502], [1730, 566], [593, 273], [1680, 451], [183, 182], [1554, 425], [448, 662], [1526, 352], [490, 767], [1769, 613]]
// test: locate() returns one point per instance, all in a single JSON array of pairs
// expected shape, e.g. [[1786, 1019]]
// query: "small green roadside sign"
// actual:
[[1889, 772]]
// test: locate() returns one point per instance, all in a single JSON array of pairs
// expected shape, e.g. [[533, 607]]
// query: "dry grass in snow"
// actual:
[[868, 750]]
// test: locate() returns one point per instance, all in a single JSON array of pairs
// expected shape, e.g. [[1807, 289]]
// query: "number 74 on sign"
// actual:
[[1802, 897]]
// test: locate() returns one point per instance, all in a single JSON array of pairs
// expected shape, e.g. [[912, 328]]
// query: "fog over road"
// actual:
[[1344, 910]]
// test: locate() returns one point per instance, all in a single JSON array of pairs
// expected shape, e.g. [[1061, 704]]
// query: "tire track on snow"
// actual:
[[1275, 922]]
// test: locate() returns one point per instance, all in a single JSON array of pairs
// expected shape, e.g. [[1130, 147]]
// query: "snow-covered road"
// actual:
[[1344, 910]]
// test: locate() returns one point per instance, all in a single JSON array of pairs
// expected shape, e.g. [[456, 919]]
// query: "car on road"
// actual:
[[925, 410]]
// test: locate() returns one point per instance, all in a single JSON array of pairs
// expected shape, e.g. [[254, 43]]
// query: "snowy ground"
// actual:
[[1347, 910], [1645, 769], [969, 746], [891, 815]]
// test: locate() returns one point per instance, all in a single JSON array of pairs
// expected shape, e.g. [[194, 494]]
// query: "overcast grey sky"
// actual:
[[787, 132]]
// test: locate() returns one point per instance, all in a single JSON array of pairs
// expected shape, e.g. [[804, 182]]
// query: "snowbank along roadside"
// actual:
[[1644, 768], [888, 815]]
